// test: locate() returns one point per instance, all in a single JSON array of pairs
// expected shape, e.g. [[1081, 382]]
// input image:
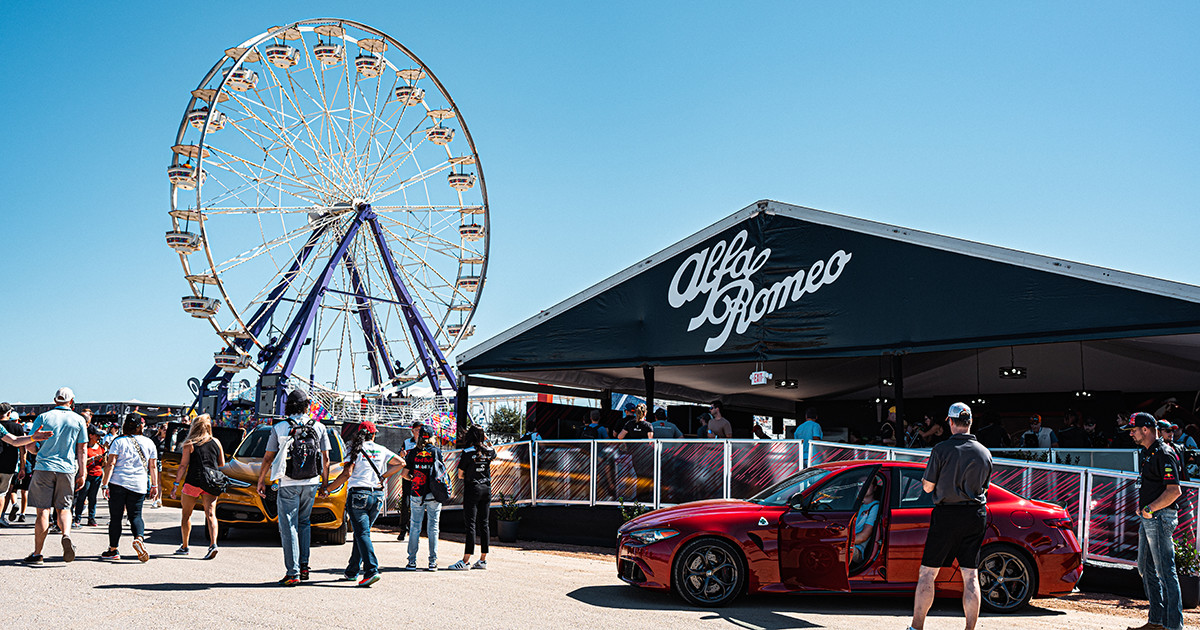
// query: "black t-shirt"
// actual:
[[1159, 469], [992, 436], [10, 455], [476, 464], [961, 470], [420, 464], [638, 429], [1073, 437]]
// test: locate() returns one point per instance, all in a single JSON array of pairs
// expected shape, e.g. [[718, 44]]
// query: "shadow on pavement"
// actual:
[[784, 611], [187, 586]]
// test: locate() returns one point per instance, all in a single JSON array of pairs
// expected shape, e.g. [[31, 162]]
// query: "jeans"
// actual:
[[120, 501], [363, 505], [294, 505], [476, 503], [431, 512], [91, 486], [1156, 563]]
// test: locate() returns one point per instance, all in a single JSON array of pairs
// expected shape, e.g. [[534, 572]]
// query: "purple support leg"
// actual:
[[423, 340], [376, 343]]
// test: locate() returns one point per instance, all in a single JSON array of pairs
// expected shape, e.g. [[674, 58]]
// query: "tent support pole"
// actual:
[[648, 379], [462, 409]]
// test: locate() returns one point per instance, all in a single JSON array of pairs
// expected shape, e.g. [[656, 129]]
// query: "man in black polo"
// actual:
[[958, 474], [1157, 519]]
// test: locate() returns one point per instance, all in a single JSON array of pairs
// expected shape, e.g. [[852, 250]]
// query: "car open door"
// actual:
[[911, 509], [814, 535]]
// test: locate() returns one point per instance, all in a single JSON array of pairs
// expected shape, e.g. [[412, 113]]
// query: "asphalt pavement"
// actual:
[[520, 589]]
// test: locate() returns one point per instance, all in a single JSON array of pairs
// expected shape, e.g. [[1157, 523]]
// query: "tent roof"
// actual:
[[823, 296]]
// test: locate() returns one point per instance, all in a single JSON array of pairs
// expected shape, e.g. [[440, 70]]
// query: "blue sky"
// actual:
[[608, 131]]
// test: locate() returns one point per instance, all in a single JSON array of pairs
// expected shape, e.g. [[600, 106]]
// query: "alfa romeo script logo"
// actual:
[[724, 275]]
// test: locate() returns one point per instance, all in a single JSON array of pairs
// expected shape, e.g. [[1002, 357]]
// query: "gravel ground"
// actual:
[[528, 585]]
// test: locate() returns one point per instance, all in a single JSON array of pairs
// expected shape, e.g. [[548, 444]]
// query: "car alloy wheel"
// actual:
[[709, 572], [1005, 580]]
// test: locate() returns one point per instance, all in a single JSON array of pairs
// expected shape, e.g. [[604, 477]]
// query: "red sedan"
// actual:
[[854, 527]]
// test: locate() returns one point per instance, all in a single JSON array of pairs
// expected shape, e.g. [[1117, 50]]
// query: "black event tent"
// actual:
[[830, 301]]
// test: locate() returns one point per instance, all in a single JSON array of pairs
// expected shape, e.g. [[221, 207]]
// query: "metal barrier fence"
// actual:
[[1125, 459], [658, 473]]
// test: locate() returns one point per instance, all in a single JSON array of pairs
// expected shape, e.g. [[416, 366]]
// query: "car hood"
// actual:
[[243, 469], [667, 516]]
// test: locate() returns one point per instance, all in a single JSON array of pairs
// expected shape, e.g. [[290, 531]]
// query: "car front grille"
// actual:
[[629, 570]]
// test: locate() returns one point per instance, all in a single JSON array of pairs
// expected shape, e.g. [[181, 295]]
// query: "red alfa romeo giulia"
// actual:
[[814, 532]]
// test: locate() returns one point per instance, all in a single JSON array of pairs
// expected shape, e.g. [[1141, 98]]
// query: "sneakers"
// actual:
[[459, 566], [91, 522], [1149, 626], [34, 558], [304, 572], [289, 580], [212, 553], [369, 580], [139, 548], [69, 549], [432, 566], [4, 521], [182, 551], [350, 577], [411, 566], [482, 564], [111, 554]]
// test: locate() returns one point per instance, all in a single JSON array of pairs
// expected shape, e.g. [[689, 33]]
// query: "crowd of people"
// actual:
[[64, 464]]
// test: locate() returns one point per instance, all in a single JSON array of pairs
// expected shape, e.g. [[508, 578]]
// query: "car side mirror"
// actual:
[[797, 502]]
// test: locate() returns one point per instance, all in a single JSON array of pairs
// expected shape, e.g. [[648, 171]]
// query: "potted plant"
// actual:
[[507, 517], [630, 512], [1187, 567]]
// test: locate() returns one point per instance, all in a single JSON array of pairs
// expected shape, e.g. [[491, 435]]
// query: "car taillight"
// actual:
[[1061, 523]]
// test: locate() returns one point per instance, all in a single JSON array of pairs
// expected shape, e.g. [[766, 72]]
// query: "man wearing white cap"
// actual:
[[958, 475], [59, 472]]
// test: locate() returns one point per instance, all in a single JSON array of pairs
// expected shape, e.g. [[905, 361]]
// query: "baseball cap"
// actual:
[[1174, 427], [958, 409], [892, 409], [64, 395], [1163, 425], [629, 407], [1140, 419], [368, 426], [13, 415], [297, 396], [418, 423], [1037, 417]]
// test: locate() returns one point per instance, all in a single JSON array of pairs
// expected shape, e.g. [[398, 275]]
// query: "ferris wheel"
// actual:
[[329, 211]]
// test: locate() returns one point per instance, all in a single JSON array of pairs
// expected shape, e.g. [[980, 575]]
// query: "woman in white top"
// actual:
[[366, 467], [130, 475]]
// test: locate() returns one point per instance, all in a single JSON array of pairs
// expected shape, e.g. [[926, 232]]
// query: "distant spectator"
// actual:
[[758, 432], [1191, 432], [638, 428], [1095, 438], [87, 416], [719, 426], [1038, 436], [1165, 433], [933, 431], [12, 459], [1072, 435], [593, 430], [888, 428], [531, 435], [810, 429], [992, 434], [664, 429], [628, 412], [91, 485], [702, 431], [912, 434], [1122, 439]]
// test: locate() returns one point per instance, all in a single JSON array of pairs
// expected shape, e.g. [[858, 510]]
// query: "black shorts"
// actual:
[[955, 533]]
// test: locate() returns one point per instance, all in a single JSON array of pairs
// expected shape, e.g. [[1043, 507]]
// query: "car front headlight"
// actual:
[[648, 536]]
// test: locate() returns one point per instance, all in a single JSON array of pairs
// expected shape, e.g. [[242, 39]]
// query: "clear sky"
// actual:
[[608, 131]]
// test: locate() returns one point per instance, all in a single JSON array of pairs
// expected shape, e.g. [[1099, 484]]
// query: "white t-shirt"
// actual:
[[129, 472], [280, 434], [363, 476]]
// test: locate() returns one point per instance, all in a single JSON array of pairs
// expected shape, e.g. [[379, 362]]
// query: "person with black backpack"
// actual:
[[365, 469], [303, 471], [429, 490], [593, 430]]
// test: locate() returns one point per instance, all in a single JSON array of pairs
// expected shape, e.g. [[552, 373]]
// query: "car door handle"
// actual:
[[835, 528]]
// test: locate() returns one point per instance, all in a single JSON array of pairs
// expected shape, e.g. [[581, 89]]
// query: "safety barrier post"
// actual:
[[534, 464], [727, 468], [1085, 511], [592, 483], [657, 471]]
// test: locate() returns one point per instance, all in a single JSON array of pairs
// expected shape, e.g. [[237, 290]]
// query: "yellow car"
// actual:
[[240, 505]]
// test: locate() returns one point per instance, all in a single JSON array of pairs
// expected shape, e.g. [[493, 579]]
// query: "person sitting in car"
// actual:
[[864, 522]]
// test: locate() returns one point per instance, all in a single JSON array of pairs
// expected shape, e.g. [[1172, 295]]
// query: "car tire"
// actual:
[[337, 536], [1007, 579], [709, 572]]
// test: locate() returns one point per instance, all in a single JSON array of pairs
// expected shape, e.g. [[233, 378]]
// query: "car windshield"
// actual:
[[256, 444], [779, 493]]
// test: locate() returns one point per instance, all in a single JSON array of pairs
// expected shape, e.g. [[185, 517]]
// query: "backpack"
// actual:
[[439, 483], [304, 455], [590, 432]]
